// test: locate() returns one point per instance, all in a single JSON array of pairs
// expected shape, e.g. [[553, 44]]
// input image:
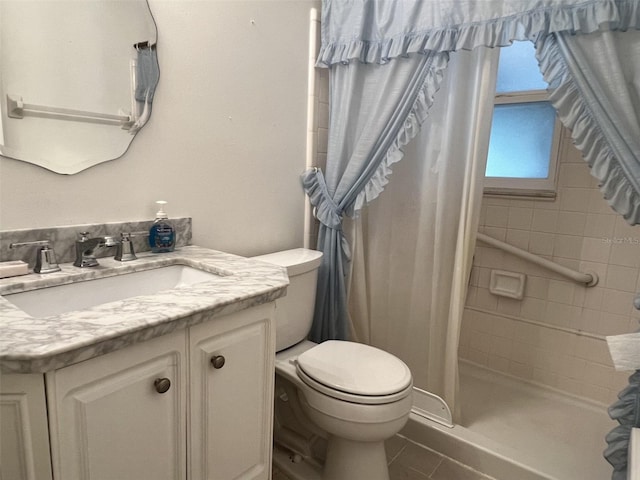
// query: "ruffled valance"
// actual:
[[374, 31]]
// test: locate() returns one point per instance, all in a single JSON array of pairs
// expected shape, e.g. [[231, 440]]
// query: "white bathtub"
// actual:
[[515, 430]]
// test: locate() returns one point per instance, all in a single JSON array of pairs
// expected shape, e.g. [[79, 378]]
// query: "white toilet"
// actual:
[[356, 394]]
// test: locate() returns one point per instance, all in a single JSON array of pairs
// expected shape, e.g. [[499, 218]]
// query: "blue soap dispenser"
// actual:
[[162, 236]]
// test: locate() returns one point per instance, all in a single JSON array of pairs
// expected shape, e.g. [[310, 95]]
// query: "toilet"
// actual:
[[352, 395]]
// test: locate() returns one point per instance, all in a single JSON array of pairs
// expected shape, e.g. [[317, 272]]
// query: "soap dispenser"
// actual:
[[162, 236]]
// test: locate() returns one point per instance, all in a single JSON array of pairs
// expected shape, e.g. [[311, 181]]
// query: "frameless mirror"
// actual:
[[77, 79]]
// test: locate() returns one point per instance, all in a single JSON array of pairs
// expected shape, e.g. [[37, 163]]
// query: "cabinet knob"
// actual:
[[162, 385], [217, 361]]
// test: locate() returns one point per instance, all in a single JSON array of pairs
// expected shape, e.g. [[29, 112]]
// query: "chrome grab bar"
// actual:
[[589, 279]]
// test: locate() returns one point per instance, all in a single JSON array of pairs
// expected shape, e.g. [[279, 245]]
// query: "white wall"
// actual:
[[555, 335], [225, 144]]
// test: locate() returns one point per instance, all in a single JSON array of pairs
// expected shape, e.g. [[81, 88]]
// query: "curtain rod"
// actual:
[[589, 279]]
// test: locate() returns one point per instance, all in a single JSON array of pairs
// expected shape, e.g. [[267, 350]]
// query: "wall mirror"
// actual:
[[77, 79]]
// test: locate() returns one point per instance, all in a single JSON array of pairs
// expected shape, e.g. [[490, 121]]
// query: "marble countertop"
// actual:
[[35, 345]]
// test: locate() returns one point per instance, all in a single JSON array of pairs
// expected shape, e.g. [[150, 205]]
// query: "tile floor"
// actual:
[[410, 461]]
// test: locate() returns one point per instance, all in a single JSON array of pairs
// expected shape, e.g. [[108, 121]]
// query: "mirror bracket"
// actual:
[[14, 106]]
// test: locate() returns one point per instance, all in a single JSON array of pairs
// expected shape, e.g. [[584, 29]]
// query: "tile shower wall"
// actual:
[[555, 335]]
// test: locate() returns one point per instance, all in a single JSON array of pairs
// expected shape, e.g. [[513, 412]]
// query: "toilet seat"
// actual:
[[354, 372]]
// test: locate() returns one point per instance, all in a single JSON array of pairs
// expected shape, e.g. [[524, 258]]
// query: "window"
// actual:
[[523, 147]]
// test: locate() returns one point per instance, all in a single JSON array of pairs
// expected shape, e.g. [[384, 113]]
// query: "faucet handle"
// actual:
[[45, 258], [125, 252], [46, 261]]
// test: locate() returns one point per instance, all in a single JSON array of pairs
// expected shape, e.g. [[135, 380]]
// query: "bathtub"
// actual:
[[512, 429]]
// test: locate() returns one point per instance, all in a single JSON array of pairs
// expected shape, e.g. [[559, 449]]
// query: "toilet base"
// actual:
[[349, 460], [294, 466]]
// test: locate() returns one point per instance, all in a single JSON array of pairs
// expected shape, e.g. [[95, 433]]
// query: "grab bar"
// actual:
[[16, 108], [589, 279]]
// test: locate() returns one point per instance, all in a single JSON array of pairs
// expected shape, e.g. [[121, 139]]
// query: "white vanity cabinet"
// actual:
[[121, 415], [24, 436], [195, 404], [231, 400]]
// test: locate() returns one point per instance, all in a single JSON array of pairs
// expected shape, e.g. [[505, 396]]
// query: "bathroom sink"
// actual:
[[60, 299]]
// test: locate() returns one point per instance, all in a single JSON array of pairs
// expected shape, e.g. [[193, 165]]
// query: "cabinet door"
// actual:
[[110, 419], [232, 404], [24, 435]]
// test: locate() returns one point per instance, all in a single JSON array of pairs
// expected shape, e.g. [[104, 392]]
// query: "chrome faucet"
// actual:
[[45, 258], [125, 251], [85, 247]]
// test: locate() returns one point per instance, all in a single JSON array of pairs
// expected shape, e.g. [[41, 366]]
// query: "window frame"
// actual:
[[528, 187]]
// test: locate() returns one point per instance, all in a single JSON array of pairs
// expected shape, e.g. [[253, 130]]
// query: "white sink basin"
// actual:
[[60, 299]]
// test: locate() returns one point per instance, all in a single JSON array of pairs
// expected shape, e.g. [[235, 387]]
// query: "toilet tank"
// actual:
[[294, 312]]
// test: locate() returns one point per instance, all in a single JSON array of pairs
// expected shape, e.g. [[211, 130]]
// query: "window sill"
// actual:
[[520, 193]]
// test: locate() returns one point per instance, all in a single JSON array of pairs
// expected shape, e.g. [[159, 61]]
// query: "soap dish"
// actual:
[[13, 268], [507, 284]]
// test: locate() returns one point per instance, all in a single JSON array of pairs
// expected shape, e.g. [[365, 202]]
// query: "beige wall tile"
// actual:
[[520, 218], [595, 250], [625, 254], [537, 287], [575, 200], [622, 278], [618, 302], [518, 238], [541, 243], [599, 225], [569, 246], [571, 223], [574, 175], [612, 324], [495, 232], [597, 204], [561, 291], [533, 309], [541, 337], [509, 306], [544, 221], [497, 216], [623, 230], [593, 349]]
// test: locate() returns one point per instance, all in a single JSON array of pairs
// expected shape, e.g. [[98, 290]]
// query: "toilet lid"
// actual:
[[355, 368]]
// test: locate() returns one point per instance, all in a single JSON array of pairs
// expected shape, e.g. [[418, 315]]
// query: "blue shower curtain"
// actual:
[[384, 106], [387, 59]]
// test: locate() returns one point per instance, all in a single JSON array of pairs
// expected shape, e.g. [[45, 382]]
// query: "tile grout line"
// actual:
[[397, 454], [442, 457]]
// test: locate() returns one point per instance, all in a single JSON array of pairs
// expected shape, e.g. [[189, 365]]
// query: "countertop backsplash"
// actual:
[[62, 239]]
